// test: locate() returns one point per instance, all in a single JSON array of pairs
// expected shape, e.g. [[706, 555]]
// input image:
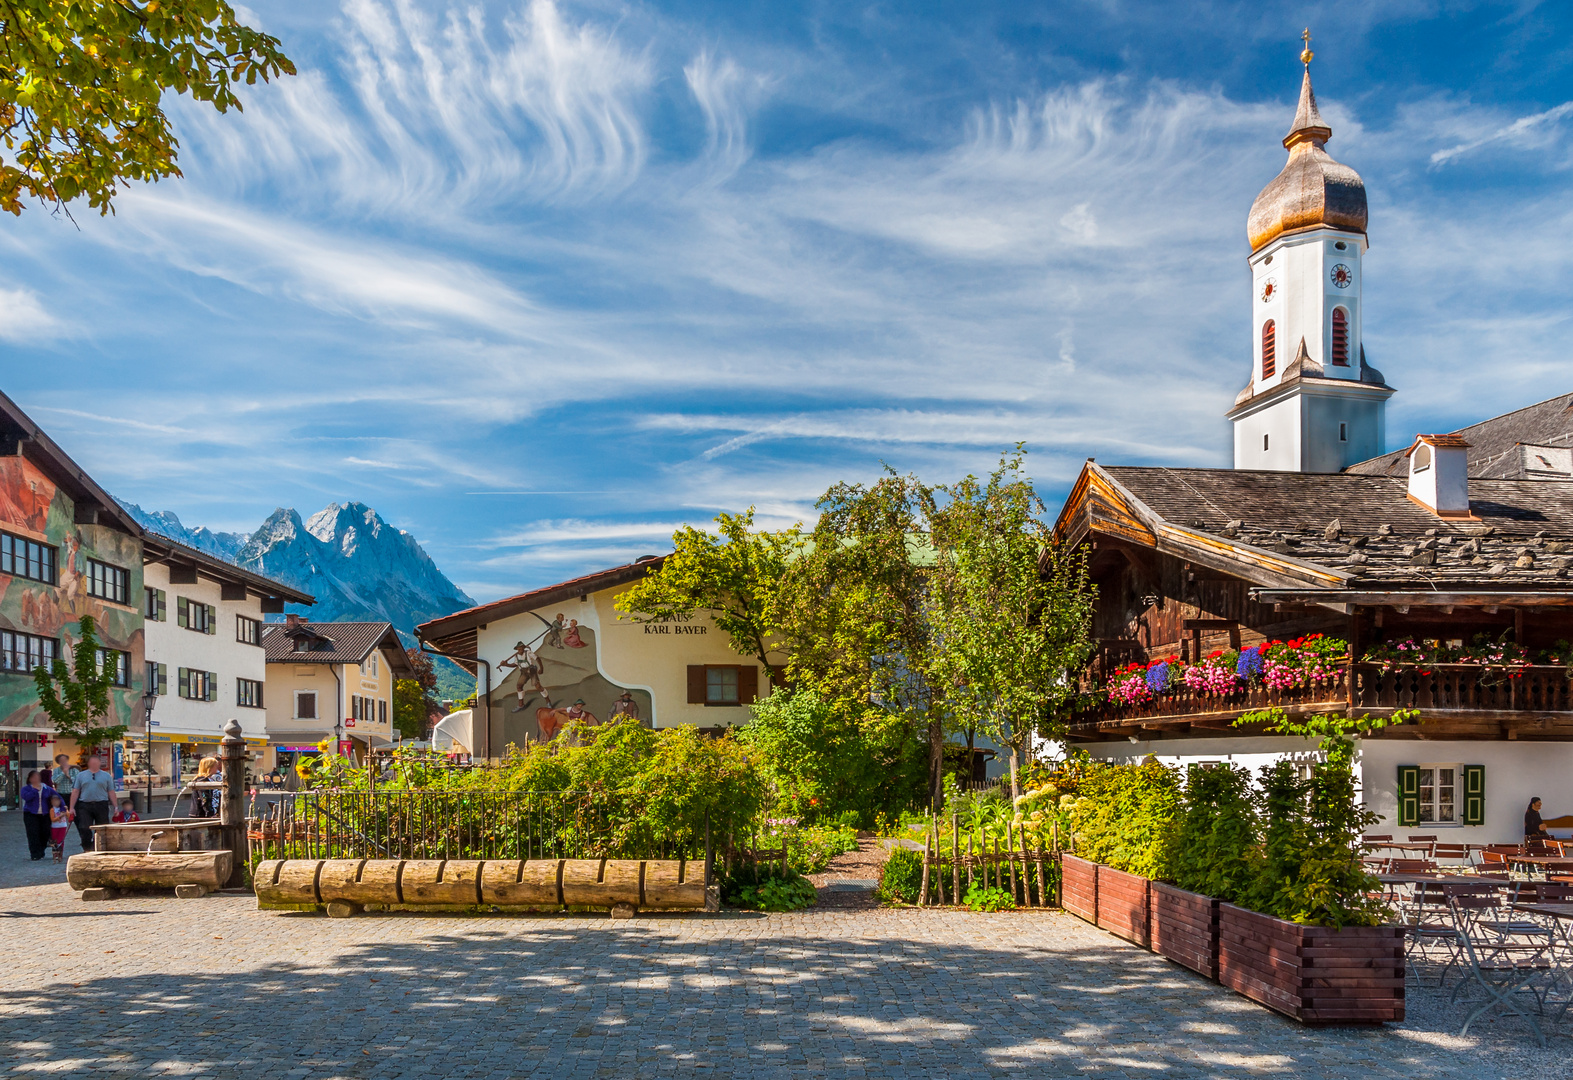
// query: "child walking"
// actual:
[[59, 823]]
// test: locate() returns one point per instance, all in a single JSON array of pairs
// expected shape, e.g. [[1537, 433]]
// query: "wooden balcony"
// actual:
[[1455, 701]]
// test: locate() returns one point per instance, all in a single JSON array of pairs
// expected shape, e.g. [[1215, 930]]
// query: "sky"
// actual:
[[541, 281]]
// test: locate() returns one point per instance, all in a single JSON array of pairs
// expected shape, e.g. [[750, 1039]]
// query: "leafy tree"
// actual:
[[411, 707], [82, 84], [1010, 612], [76, 697], [1213, 848], [425, 671], [732, 574], [852, 606]]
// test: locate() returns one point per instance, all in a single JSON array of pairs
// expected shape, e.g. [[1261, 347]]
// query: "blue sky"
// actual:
[[542, 280]]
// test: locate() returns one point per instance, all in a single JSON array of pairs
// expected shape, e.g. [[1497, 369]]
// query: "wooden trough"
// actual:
[[188, 855], [348, 886]]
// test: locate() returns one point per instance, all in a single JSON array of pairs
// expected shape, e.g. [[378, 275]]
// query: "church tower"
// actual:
[[1313, 404]]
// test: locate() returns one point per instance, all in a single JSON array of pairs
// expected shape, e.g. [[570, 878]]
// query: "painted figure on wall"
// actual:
[[528, 667], [528, 706], [554, 632]]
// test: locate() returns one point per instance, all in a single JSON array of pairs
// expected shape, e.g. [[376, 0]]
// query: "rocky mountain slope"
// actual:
[[355, 564]]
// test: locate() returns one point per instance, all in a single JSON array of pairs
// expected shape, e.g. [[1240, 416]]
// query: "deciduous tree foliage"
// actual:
[[732, 574], [1009, 612], [76, 697], [82, 85]]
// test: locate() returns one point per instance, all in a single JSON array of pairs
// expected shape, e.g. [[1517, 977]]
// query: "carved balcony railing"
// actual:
[[1437, 688]]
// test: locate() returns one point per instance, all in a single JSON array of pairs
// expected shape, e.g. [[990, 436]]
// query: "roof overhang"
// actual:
[[1101, 505], [157, 548], [94, 505], [1345, 599]]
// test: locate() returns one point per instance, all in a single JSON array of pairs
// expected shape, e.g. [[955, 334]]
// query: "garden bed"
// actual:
[[1185, 927], [1122, 907], [1316, 974], [1079, 887]]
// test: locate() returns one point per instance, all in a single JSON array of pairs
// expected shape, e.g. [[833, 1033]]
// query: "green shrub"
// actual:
[[980, 898], [1122, 816], [834, 760], [770, 893], [902, 879], [1212, 848], [810, 848]]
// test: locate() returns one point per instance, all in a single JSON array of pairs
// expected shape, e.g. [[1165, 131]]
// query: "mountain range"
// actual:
[[357, 565]]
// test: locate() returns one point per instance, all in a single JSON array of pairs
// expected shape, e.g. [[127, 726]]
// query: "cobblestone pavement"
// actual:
[[154, 986]]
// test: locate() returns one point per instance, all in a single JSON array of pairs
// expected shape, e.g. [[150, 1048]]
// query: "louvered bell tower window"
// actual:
[[1269, 350], [1340, 337]]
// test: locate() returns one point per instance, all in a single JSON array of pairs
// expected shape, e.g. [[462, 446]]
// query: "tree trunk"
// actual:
[[936, 759]]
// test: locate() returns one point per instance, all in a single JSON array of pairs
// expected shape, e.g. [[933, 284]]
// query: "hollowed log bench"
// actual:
[[187, 855], [348, 886]]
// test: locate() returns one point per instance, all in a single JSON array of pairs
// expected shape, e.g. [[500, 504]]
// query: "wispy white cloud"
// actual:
[[23, 316], [1526, 130]]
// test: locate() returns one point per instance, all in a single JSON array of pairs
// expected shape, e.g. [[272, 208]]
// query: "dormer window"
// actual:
[[1422, 458], [1340, 337], [1269, 350]]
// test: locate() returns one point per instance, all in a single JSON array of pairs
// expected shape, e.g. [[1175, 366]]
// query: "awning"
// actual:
[[191, 740]]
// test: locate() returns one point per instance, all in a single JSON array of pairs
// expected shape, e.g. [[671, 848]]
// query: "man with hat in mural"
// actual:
[[625, 705], [528, 665], [579, 714]]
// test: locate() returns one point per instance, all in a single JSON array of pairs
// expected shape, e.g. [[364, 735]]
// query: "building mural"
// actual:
[[552, 678], [33, 508]]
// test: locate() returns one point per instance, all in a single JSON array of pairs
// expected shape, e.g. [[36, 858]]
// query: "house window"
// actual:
[[248, 693], [1264, 443], [116, 662], [194, 615], [1269, 350], [305, 704], [24, 652], [1422, 458], [720, 685], [248, 631], [197, 685], [368, 666], [107, 582], [1438, 793], [24, 558], [157, 678], [1343, 432], [1340, 337], [382, 711], [155, 605]]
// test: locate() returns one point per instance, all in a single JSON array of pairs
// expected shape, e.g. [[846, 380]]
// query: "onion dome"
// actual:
[[1313, 191]]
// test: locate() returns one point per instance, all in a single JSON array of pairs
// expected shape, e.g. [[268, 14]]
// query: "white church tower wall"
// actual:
[[1312, 403]]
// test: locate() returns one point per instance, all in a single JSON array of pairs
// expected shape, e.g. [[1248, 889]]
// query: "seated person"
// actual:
[[1533, 828], [125, 814]]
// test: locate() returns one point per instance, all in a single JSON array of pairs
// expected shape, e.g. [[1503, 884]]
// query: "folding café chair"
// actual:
[[1411, 866], [1431, 840], [1429, 925], [1503, 966], [1452, 853]]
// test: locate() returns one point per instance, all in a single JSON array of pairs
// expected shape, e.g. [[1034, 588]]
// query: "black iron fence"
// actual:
[[413, 824]]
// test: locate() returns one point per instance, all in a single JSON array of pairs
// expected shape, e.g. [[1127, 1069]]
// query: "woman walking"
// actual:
[[35, 813], [205, 801]]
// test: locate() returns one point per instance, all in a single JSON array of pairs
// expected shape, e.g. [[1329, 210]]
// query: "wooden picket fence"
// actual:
[[1028, 871]]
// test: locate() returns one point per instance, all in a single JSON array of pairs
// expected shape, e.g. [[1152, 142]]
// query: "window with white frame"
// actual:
[[117, 663], [1439, 794], [248, 693], [368, 666], [248, 631]]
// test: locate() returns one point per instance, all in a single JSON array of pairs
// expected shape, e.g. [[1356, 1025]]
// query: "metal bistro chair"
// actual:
[[1504, 966], [1411, 866], [1452, 853], [1429, 924], [1431, 840]]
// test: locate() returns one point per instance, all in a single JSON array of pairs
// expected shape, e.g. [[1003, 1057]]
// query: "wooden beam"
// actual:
[[1488, 600]]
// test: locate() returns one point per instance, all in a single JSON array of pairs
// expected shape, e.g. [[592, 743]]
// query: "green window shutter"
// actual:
[[163, 679], [163, 606], [181, 615], [1474, 794], [1408, 795], [181, 685], [212, 686], [212, 623]]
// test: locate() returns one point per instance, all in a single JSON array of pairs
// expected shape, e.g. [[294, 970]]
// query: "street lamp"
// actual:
[[149, 700]]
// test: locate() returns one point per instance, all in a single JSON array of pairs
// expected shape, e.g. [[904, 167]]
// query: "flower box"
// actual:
[[1185, 928], [1315, 974], [1079, 887], [1122, 904]]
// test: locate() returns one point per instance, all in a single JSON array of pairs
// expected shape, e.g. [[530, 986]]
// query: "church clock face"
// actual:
[[1341, 276], [1269, 289]]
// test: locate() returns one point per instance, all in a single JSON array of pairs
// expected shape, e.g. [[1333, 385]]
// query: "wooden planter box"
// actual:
[[1079, 887], [1122, 905], [1315, 974], [1185, 928]]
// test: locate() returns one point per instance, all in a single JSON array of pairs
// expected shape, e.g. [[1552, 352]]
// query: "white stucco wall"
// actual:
[[175, 647]]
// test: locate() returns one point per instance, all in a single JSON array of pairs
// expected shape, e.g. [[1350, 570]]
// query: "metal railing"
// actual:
[[413, 824]]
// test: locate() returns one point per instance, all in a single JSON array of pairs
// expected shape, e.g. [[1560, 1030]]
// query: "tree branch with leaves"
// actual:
[[76, 697]]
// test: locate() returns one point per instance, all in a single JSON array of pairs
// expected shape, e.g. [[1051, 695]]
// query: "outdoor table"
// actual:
[[1557, 863], [1562, 914], [1434, 879]]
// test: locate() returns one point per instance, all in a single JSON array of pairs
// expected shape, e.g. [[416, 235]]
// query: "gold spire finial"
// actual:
[[1307, 54]]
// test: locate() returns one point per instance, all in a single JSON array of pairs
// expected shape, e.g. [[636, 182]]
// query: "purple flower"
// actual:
[[1250, 664], [1158, 678]]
